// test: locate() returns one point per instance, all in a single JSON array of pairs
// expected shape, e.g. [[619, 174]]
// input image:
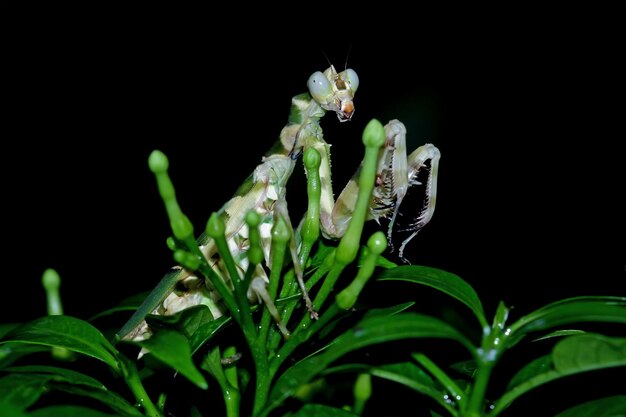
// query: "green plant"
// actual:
[[239, 364]]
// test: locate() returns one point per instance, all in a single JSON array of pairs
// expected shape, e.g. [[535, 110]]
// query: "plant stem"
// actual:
[[232, 398], [131, 376], [479, 388]]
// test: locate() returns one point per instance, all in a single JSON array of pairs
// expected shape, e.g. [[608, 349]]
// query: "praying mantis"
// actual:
[[265, 193]]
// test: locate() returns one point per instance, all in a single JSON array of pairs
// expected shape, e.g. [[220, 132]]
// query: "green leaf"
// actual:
[[535, 367], [572, 355], [322, 252], [69, 411], [58, 374], [402, 373], [319, 410], [388, 311], [559, 333], [206, 331], [110, 398], [173, 349], [24, 387], [447, 282], [466, 368], [406, 373], [369, 331], [22, 391], [7, 327], [66, 332], [587, 352], [372, 312], [10, 352], [603, 407], [8, 409], [571, 310]]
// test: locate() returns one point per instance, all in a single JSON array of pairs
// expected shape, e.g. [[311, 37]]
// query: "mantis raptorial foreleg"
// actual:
[[396, 173]]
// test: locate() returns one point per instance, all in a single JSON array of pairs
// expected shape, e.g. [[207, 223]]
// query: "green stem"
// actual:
[[226, 378], [232, 398], [280, 238], [495, 341], [475, 405], [263, 377], [131, 376]]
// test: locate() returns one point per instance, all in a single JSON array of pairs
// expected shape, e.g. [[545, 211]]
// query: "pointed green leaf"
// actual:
[[10, 352], [571, 310], [532, 369], [319, 410], [212, 363], [559, 333], [467, 367], [173, 349], [406, 373], [58, 374], [587, 352], [206, 331], [7, 327], [109, 398], [369, 331], [323, 251], [603, 407], [66, 332], [388, 311], [372, 312], [444, 281], [572, 355], [8, 409], [26, 384], [69, 411], [22, 391]]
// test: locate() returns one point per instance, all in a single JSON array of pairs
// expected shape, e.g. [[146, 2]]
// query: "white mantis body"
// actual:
[[265, 192]]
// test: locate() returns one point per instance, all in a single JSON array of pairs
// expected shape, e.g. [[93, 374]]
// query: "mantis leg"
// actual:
[[396, 173]]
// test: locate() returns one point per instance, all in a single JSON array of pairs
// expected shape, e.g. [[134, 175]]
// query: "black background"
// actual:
[[523, 107]]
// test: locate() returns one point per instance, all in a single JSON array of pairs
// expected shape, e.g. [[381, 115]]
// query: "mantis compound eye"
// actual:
[[319, 87], [350, 78]]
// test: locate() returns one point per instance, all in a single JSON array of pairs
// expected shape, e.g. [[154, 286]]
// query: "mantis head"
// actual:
[[335, 91]]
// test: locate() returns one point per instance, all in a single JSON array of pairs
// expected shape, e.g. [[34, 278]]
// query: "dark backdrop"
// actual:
[[523, 110]]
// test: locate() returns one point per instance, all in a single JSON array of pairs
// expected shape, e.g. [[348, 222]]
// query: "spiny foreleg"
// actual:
[[417, 163], [396, 173]]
